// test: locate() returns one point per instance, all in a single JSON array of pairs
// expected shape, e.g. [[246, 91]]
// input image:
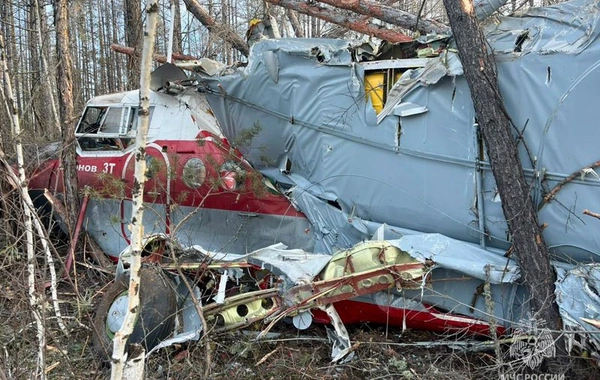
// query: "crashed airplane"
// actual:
[[334, 181]]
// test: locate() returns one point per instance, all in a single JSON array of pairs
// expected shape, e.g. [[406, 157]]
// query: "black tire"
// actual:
[[158, 306]]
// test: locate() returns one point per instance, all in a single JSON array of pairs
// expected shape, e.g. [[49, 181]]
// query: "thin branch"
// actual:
[[548, 197], [590, 213]]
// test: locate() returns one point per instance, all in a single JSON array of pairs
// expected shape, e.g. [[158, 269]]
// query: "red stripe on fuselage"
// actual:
[[106, 173], [429, 319]]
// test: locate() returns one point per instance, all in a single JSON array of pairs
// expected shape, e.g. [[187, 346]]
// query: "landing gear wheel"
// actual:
[[158, 306]]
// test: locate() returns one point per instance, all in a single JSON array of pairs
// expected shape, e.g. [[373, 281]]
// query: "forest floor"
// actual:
[[379, 352]]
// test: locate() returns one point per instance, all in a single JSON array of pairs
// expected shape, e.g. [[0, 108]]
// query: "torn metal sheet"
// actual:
[[578, 298], [273, 283], [568, 28], [188, 325], [296, 264], [330, 237], [447, 64], [484, 8], [460, 257], [340, 340], [204, 65]]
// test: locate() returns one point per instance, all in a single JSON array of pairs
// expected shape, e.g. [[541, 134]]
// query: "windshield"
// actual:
[[107, 127]]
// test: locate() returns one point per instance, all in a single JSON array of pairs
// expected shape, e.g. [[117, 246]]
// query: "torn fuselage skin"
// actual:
[[274, 283]]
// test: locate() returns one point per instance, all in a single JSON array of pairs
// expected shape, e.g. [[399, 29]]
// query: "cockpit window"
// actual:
[[90, 123], [112, 121], [108, 128]]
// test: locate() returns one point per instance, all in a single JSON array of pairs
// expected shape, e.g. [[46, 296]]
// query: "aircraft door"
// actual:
[[157, 191]]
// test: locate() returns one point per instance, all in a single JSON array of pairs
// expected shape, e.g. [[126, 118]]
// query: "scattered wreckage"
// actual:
[[367, 163]]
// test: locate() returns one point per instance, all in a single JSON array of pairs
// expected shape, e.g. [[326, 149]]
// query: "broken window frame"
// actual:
[[91, 135], [390, 70]]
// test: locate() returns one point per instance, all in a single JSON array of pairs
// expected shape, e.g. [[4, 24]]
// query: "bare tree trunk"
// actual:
[[65, 87], [92, 58], [14, 56], [38, 115], [133, 38], [84, 58], [177, 28], [355, 23], [7, 29], [531, 250], [225, 24], [115, 59], [75, 42], [313, 27], [45, 75], [209, 22], [105, 85], [137, 226]]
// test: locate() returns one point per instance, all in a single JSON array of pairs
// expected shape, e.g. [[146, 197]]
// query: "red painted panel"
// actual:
[[106, 173], [357, 312]]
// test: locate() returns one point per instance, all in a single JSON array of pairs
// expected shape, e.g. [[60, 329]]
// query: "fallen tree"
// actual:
[[222, 31], [356, 23], [390, 15]]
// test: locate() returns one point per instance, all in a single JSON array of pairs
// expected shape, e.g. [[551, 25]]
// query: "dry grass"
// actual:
[[380, 352]]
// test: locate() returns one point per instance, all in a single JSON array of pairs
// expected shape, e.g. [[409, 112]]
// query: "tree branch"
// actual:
[[548, 197], [590, 213], [157, 57], [209, 22], [390, 15], [355, 23]]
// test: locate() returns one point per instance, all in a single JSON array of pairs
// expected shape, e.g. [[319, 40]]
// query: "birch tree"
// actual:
[[34, 301], [137, 228]]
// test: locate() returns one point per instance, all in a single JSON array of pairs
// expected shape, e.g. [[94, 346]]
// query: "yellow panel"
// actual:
[[364, 257], [374, 85]]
